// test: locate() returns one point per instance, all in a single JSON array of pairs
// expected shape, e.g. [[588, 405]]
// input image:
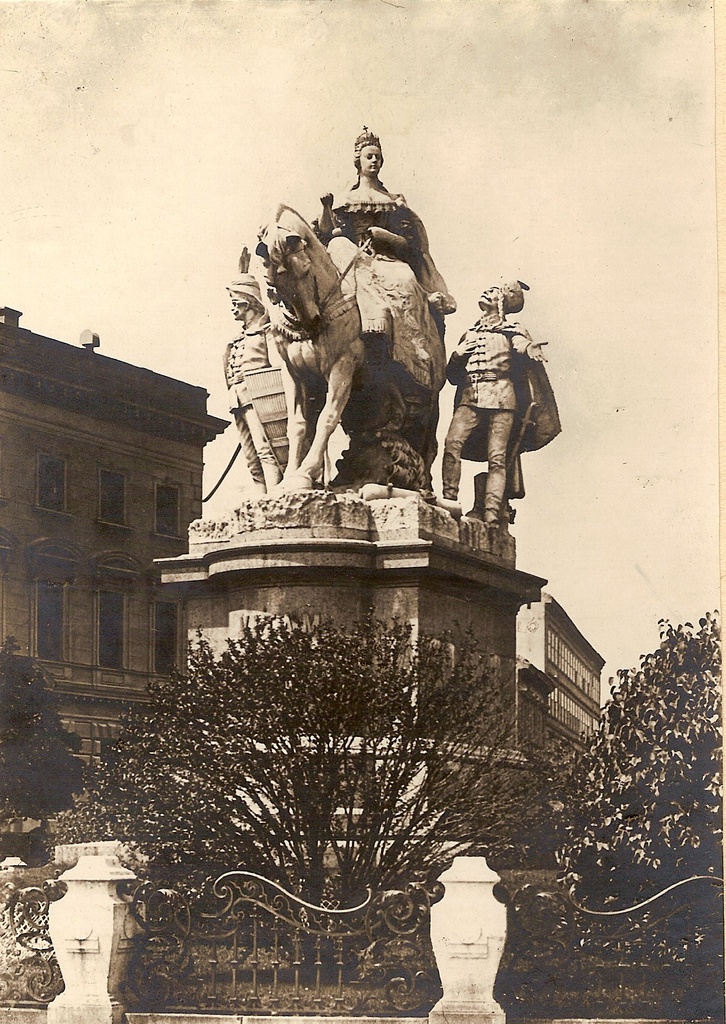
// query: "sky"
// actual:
[[568, 143]]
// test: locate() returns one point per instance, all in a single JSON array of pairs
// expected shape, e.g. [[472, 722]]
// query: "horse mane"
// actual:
[[303, 229], [288, 222], [297, 225]]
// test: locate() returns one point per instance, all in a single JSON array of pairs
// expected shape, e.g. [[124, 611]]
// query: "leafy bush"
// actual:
[[644, 813], [38, 770], [327, 760], [646, 796]]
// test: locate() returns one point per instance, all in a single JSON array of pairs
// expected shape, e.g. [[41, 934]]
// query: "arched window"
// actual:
[[118, 567], [115, 575], [53, 566]]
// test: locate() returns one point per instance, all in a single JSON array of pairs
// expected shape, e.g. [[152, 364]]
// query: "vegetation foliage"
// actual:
[[38, 770], [646, 797], [323, 759], [643, 813]]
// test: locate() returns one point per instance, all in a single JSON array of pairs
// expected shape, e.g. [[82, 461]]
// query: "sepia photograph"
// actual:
[[359, 512]]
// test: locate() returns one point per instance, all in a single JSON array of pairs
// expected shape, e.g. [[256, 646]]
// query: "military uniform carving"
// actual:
[[504, 404]]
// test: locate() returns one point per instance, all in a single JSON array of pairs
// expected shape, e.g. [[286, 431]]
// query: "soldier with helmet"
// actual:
[[489, 367], [252, 350]]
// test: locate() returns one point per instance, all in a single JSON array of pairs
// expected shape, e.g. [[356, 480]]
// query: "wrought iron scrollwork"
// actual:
[[164, 917], [399, 960], [31, 974], [245, 943], [565, 960], [539, 950]]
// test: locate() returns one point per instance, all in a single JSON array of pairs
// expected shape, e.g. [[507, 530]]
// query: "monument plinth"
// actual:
[[317, 556]]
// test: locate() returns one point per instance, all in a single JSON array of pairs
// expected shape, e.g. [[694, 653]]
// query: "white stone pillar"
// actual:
[[468, 929], [91, 930]]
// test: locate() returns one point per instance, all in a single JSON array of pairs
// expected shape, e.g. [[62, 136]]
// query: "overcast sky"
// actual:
[[566, 143]]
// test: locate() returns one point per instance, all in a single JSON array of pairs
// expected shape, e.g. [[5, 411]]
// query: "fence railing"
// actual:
[[662, 958], [29, 971], [244, 944]]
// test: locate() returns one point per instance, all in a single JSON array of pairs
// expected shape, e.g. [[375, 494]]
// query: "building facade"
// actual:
[[100, 473], [553, 654], [532, 706]]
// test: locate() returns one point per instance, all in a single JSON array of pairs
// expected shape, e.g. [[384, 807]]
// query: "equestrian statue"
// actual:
[[358, 306], [355, 314]]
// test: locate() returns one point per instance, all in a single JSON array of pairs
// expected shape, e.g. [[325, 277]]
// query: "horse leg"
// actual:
[[296, 426], [339, 384]]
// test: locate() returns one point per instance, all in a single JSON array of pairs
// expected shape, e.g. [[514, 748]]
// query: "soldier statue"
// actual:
[[250, 351], [504, 404]]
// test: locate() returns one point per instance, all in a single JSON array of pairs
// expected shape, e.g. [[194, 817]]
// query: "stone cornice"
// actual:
[[341, 537], [89, 402]]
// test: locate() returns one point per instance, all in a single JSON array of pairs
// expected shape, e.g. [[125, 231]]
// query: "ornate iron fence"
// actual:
[[563, 960], [29, 972], [246, 944]]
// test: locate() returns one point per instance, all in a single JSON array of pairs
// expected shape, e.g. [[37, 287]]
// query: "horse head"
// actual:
[[291, 260]]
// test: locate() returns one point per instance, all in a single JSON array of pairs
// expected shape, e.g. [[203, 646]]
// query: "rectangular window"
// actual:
[[167, 510], [112, 497], [165, 637], [49, 621], [52, 483], [95, 737], [111, 629]]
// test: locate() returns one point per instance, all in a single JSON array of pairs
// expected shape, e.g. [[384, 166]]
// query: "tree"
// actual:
[[645, 806], [39, 772], [639, 812], [321, 758], [643, 814]]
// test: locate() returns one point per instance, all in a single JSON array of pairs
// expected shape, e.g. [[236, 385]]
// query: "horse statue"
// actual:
[[318, 336], [387, 403]]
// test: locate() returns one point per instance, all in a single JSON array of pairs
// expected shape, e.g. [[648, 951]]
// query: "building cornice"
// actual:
[[88, 402], [575, 637]]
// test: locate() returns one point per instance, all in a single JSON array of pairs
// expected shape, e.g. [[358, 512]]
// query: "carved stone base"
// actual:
[[316, 556], [449, 1016], [321, 514], [91, 931], [468, 932]]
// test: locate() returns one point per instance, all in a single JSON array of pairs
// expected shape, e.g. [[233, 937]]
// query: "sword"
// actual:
[[526, 420]]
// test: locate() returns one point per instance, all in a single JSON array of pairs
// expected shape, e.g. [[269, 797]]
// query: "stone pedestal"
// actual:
[[468, 929], [318, 556], [91, 931]]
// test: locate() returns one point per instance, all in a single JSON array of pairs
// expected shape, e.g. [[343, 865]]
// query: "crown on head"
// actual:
[[366, 138]]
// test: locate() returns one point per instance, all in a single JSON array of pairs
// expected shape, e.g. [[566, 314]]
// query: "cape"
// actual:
[[531, 385]]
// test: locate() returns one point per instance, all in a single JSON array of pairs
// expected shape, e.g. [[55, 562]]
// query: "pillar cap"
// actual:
[[97, 868], [469, 869]]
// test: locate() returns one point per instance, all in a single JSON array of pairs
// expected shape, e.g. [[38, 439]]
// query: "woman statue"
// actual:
[[381, 247]]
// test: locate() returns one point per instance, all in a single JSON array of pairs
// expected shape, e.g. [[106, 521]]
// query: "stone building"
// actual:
[[559, 666], [533, 692], [100, 473]]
